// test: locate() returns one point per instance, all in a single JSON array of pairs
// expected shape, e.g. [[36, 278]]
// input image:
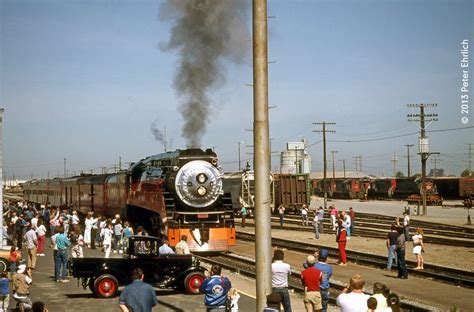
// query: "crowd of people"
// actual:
[[28, 225], [315, 277]]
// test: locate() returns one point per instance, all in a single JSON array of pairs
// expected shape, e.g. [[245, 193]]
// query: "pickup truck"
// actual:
[[105, 275]]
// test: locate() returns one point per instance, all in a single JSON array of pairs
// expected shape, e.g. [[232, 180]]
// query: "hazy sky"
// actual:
[[84, 80]]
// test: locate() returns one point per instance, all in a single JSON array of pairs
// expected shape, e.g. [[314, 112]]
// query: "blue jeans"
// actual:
[[281, 219], [60, 264], [324, 299], [406, 231], [285, 297], [316, 230], [391, 256], [402, 267], [116, 242]]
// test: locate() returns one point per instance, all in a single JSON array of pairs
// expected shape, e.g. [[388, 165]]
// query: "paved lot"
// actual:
[[72, 297]]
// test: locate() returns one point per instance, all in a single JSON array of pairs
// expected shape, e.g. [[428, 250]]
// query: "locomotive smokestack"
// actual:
[[206, 33]]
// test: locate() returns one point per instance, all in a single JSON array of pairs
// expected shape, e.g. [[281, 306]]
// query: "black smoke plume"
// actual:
[[206, 34], [158, 134]]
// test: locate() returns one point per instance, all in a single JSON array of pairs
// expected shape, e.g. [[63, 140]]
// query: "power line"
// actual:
[[399, 136]]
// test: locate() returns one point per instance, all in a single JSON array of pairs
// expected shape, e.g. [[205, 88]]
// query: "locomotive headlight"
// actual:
[[198, 184], [201, 178], [201, 190]]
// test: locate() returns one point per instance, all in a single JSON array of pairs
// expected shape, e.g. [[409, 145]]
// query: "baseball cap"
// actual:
[[323, 253]]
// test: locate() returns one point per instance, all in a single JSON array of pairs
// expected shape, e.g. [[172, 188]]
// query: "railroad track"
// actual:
[[440, 273], [376, 230], [246, 267], [363, 219]]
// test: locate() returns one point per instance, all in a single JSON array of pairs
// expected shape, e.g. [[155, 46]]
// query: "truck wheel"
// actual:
[[106, 286], [4, 265], [193, 282]]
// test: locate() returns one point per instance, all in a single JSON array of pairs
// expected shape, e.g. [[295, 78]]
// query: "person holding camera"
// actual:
[[21, 282], [352, 298], [215, 288]]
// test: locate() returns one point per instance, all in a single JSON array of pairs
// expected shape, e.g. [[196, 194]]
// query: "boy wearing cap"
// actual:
[[326, 271]]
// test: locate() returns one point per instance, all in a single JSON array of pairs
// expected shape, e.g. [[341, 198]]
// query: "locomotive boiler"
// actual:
[[173, 194], [181, 193]]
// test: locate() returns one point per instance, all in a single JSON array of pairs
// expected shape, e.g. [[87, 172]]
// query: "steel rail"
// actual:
[[378, 232], [440, 273], [246, 266]]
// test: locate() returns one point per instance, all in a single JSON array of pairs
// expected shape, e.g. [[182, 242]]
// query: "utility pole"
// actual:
[[1, 174], [323, 131], [261, 135], [360, 163], [333, 165], [64, 167], [120, 162], [356, 162], [296, 159], [344, 167], [394, 161], [423, 144], [408, 157], [435, 161], [239, 143], [469, 153]]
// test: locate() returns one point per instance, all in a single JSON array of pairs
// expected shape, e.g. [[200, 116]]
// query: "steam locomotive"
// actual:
[[173, 194]]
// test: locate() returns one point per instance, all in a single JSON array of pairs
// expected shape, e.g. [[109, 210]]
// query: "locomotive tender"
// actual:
[[172, 194]]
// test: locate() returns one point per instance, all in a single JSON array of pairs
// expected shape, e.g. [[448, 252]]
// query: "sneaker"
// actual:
[[342, 264], [121, 251], [115, 251], [57, 281], [64, 281]]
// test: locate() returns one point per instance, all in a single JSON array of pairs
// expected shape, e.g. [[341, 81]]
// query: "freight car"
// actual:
[[453, 187], [292, 191], [171, 194]]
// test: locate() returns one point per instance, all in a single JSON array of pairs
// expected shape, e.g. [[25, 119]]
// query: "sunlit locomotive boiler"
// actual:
[[172, 194], [180, 193]]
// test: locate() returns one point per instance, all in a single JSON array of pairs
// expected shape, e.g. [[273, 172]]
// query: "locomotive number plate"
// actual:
[[203, 216]]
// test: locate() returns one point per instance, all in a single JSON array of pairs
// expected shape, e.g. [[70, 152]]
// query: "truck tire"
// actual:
[[193, 282], [4, 265], [106, 286]]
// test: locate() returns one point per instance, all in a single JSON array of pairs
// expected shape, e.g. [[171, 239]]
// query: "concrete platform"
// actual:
[[71, 297]]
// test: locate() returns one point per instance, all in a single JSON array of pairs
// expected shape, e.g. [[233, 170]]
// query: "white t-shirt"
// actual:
[[41, 230], [280, 272], [34, 222], [304, 212], [406, 220], [107, 236], [75, 219], [347, 221], [353, 302]]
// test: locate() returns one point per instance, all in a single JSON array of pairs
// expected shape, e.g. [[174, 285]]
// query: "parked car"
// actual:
[[104, 276]]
